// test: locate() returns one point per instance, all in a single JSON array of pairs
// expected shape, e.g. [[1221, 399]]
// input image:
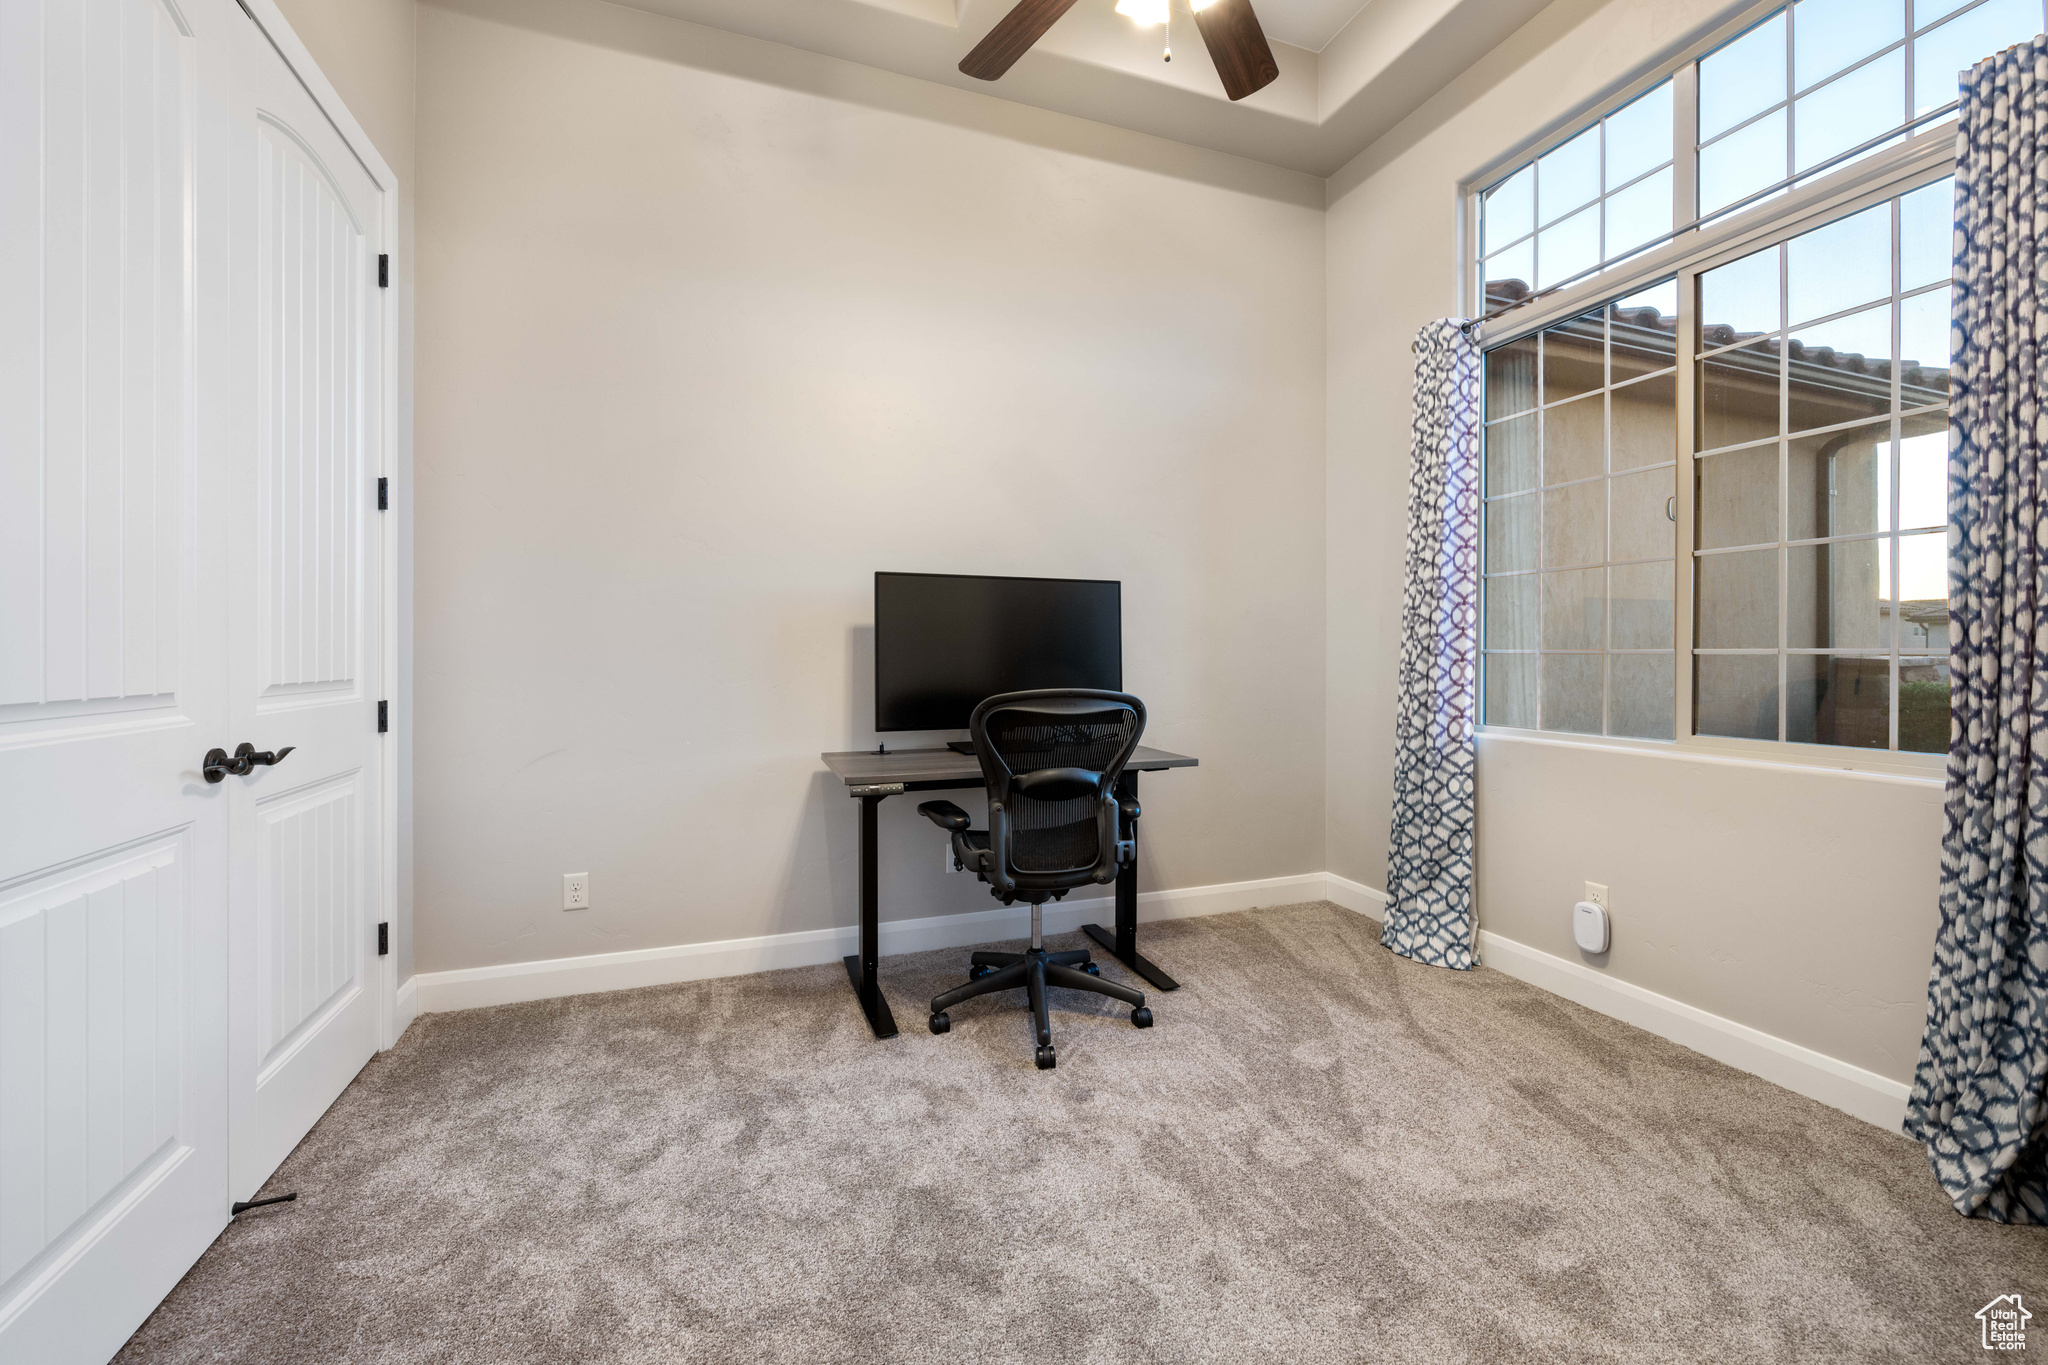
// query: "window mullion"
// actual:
[[1542, 483], [1891, 547], [1607, 516], [1470, 222], [1906, 95], [1683, 482], [1784, 480], [1600, 200], [1685, 155], [1791, 120]]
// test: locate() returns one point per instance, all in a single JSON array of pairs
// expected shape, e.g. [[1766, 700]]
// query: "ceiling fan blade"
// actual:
[[1238, 47], [1012, 37]]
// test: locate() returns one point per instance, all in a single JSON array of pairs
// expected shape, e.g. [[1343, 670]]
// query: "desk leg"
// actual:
[[861, 965], [1124, 945]]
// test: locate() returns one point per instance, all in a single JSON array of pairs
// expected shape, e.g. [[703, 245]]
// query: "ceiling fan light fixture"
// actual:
[[1237, 44]]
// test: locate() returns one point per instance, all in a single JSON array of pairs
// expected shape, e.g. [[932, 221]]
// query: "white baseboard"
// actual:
[[1355, 896], [405, 1008], [1865, 1094], [1851, 1089], [471, 987]]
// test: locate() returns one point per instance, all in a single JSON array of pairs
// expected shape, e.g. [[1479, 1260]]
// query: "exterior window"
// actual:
[[1715, 507], [1820, 591], [1817, 442], [1579, 545], [1806, 89], [1603, 195], [1824, 77]]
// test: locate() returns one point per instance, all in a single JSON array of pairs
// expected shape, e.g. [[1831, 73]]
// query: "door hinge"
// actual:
[[384, 938], [383, 494], [383, 717], [383, 272]]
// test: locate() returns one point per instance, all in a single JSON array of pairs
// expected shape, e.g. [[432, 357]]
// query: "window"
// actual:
[[1602, 195], [1578, 468], [1820, 578], [1715, 489], [1822, 78], [1804, 90]]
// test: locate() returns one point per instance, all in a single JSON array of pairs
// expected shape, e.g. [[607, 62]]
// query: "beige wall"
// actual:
[[1798, 901], [710, 330], [369, 51]]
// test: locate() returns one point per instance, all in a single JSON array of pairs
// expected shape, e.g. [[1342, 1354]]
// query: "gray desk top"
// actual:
[[865, 767]]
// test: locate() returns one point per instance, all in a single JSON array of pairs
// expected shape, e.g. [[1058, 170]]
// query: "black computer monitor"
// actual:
[[945, 641]]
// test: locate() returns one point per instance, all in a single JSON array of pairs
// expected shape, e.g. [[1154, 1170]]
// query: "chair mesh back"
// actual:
[[1057, 836]]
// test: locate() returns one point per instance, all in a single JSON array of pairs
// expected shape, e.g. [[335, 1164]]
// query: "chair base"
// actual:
[[1034, 970]]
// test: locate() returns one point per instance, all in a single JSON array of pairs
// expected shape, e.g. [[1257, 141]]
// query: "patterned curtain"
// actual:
[[1977, 1099], [1429, 859]]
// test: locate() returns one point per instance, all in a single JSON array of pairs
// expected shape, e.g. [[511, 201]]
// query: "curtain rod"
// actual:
[[1947, 111]]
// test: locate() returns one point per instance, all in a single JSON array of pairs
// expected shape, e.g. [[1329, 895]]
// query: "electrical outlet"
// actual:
[[952, 863], [1597, 894], [575, 890]]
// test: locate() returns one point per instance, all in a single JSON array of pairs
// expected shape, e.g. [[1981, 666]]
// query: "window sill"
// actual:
[[1916, 770]]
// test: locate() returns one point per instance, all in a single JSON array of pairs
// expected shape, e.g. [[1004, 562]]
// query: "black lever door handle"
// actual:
[[248, 757]]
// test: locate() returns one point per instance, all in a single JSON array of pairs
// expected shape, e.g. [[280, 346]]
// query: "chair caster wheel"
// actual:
[[1142, 1017], [939, 1023], [1091, 969], [977, 973], [1047, 1059]]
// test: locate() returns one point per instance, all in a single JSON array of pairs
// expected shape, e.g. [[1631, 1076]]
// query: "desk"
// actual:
[[872, 778]]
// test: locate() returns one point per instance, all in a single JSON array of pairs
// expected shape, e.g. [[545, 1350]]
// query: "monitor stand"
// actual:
[[960, 746]]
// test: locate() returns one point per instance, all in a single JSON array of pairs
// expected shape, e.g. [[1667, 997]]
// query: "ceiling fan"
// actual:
[[1229, 29]]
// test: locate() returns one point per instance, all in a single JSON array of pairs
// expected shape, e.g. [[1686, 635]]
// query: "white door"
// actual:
[[113, 606], [303, 640]]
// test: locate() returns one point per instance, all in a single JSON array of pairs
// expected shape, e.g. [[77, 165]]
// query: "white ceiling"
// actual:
[[1349, 70], [1309, 24]]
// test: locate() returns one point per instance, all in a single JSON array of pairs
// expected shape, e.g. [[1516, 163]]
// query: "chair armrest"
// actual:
[[1129, 806], [945, 815]]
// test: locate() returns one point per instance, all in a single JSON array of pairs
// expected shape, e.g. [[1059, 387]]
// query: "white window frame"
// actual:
[[1923, 157]]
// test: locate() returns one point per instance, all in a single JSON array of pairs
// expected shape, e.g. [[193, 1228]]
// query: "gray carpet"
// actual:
[[1322, 1153]]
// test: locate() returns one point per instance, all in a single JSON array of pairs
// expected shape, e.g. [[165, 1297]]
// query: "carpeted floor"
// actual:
[[1321, 1153]]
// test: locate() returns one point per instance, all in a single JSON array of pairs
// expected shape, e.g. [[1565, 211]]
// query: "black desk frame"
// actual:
[[861, 966]]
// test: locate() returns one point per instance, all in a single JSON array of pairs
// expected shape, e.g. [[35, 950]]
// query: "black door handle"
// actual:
[[249, 757], [246, 760]]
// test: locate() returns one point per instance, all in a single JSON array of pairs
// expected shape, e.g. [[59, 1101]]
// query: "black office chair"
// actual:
[[1051, 760]]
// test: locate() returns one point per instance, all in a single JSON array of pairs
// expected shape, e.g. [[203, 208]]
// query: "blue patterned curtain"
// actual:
[[1429, 860], [1977, 1094]]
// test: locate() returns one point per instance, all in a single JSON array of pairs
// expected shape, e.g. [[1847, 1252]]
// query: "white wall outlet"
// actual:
[[952, 863], [575, 890], [1597, 894]]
